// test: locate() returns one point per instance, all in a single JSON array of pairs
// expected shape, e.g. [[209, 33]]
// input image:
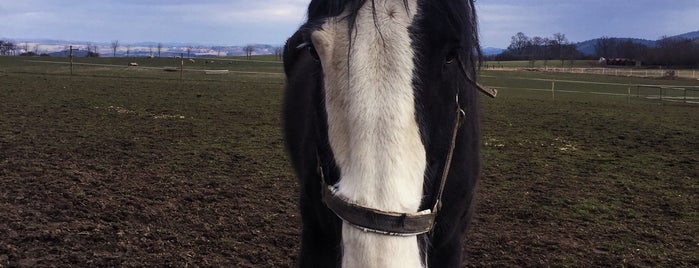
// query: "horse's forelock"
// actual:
[[322, 9]]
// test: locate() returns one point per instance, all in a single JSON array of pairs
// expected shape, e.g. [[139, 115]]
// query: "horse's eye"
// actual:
[[451, 56], [314, 53]]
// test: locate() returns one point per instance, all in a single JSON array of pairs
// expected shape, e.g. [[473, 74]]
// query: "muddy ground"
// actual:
[[101, 171]]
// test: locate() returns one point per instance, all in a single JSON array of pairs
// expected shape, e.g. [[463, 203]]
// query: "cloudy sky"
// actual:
[[238, 22]]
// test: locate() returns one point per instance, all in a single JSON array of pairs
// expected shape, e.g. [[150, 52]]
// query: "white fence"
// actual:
[[668, 93], [690, 74]]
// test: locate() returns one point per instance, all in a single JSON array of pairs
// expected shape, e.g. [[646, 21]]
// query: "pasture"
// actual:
[[131, 166]]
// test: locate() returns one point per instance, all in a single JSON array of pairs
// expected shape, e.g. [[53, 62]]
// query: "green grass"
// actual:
[[123, 166], [542, 63], [257, 69], [568, 86], [606, 180]]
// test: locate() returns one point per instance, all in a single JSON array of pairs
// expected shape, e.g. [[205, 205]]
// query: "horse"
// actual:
[[381, 124]]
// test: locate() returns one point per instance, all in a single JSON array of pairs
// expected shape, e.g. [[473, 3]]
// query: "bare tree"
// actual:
[[278, 52], [189, 50], [519, 42], [7, 47], [128, 50], [92, 50], [559, 41], [538, 46], [248, 50], [115, 46], [560, 38], [218, 50], [36, 49], [569, 52], [160, 48], [150, 51], [606, 47]]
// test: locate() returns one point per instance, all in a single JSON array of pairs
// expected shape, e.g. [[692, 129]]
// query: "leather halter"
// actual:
[[397, 223], [387, 222]]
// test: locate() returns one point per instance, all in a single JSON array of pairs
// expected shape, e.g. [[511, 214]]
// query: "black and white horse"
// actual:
[[375, 93]]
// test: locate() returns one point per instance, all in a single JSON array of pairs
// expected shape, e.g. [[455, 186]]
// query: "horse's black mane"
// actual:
[[331, 8], [320, 9]]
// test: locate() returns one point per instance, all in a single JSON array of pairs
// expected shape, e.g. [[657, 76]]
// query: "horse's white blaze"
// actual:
[[372, 126]]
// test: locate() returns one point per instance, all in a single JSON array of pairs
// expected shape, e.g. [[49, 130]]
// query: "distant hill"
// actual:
[[588, 47], [690, 35], [489, 51]]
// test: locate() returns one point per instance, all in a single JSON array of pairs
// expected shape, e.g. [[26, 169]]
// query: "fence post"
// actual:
[[638, 91], [71, 60], [181, 65], [553, 90], [628, 94]]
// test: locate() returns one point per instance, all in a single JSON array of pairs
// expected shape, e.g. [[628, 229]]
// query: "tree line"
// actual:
[[668, 51], [7, 48], [523, 47]]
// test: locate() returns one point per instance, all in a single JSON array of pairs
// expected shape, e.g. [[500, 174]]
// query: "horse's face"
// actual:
[[390, 72]]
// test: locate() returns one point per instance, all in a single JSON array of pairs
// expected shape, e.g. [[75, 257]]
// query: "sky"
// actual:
[[238, 22]]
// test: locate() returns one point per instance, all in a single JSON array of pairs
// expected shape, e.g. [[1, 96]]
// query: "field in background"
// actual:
[[540, 63], [605, 87], [132, 166], [590, 67]]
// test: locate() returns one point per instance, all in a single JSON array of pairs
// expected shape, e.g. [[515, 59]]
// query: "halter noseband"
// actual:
[[387, 222]]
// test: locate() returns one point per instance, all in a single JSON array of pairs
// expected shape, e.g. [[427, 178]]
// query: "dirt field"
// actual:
[[101, 170]]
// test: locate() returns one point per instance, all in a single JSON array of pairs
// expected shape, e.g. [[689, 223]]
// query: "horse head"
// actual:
[[381, 122]]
